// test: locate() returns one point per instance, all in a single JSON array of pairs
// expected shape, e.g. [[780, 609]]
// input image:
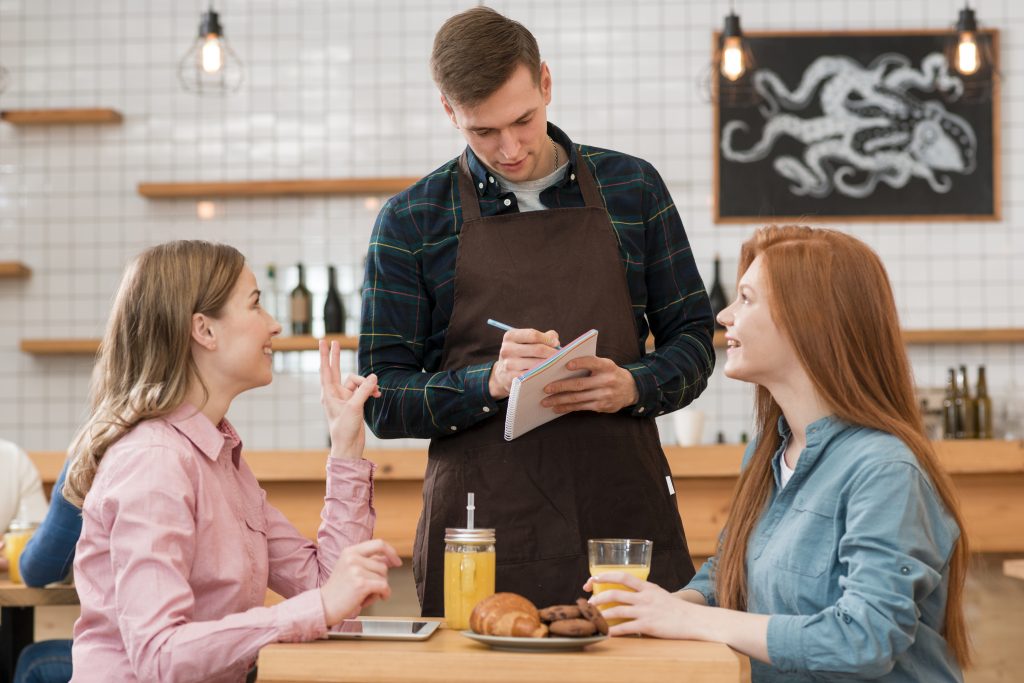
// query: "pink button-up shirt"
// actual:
[[179, 546]]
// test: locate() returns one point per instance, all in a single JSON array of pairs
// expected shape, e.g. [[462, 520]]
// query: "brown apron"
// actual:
[[583, 475]]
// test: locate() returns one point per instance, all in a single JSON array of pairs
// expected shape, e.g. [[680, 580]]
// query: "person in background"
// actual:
[[179, 544], [553, 238], [47, 559], [21, 491], [843, 555]]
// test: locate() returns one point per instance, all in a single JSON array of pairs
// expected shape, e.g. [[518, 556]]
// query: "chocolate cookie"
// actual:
[[593, 614], [573, 628], [559, 612]]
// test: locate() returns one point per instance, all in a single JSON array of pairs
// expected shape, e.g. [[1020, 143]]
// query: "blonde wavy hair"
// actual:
[[145, 366]]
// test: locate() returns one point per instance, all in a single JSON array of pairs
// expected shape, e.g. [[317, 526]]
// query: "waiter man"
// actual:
[[553, 238]]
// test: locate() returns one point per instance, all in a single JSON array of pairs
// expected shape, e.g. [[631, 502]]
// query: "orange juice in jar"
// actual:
[[629, 555], [469, 567], [15, 541]]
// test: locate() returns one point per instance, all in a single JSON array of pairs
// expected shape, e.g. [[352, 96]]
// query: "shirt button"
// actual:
[[640, 409], [904, 570], [490, 179], [480, 185], [453, 428], [486, 409], [508, 202], [572, 176]]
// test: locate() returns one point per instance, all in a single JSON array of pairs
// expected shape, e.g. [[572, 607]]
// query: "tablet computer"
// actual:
[[383, 629]]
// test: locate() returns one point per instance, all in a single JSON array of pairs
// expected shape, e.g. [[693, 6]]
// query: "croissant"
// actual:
[[507, 614]]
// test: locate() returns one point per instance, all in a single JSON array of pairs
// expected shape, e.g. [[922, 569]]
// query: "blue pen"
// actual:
[[507, 328]]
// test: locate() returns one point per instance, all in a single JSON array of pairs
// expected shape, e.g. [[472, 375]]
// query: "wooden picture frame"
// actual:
[[857, 126]]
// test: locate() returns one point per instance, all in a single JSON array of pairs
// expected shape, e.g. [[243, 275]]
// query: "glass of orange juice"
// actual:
[[630, 555], [469, 568]]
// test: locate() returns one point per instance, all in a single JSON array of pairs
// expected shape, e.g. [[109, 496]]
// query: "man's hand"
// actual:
[[607, 389], [521, 350]]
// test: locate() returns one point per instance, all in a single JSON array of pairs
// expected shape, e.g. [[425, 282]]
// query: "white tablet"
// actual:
[[383, 629]]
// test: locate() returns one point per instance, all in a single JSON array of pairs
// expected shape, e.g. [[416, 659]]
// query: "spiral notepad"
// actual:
[[524, 409]]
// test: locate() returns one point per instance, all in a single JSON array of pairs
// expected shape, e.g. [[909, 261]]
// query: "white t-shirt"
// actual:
[[784, 470], [528, 193], [19, 483]]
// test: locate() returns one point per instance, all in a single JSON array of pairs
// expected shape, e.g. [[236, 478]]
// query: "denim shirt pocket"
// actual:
[[805, 538]]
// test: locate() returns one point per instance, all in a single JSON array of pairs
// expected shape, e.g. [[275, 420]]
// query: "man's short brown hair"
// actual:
[[475, 53]]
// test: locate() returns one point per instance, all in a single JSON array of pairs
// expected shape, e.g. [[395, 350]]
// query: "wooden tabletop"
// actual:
[[20, 595], [1014, 568], [449, 657]]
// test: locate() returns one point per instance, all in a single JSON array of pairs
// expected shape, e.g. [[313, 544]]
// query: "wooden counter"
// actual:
[[449, 657], [989, 476]]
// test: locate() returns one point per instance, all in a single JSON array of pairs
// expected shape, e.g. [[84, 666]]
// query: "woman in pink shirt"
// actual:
[[178, 541]]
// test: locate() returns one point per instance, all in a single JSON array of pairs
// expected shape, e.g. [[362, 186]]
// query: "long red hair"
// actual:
[[830, 294]]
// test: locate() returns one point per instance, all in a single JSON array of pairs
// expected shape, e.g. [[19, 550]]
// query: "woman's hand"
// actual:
[[359, 579], [343, 403], [653, 610]]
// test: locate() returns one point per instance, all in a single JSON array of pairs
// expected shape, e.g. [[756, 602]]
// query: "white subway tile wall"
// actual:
[[343, 89]]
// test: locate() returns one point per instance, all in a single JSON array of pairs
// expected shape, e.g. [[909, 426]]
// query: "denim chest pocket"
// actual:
[[804, 540]]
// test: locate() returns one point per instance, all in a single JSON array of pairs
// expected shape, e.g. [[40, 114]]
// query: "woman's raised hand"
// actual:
[[343, 402]]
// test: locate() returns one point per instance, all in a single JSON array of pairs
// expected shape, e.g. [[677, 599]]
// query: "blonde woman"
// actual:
[[178, 541], [843, 554]]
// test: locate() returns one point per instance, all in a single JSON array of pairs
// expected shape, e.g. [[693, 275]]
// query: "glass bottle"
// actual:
[[717, 294], [469, 567], [334, 307], [949, 407], [982, 407], [301, 306], [970, 431]]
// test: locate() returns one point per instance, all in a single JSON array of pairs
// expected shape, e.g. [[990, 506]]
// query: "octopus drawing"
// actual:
[[867, 126]]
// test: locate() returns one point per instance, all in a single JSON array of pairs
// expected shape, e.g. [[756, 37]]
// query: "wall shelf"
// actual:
[[253, 188], [88, 347], [57, 117], [15, 270]]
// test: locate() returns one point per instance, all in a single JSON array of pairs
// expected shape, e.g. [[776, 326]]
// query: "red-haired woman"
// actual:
[[843, 554]]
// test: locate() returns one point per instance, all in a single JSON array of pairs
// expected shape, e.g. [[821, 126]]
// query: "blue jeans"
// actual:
[[48, 661]]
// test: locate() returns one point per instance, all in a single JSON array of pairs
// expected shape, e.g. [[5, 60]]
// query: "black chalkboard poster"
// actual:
[[857, 126]]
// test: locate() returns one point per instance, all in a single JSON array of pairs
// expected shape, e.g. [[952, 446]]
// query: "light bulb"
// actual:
[[732, 58], [213, 54], [967, 57]]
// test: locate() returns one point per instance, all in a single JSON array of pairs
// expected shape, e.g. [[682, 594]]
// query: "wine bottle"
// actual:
[[268, 298], [301, 306], [982, 407], [949, 407], [970, 430], [717, 294], [334, 307]]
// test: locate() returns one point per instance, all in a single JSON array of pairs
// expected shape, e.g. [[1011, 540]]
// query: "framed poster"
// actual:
[[857, 126]]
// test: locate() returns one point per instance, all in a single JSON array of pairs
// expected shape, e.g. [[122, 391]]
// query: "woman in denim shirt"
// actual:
[[843, 554]]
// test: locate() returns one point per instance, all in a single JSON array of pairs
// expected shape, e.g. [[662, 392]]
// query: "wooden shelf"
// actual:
[[14, 270], [51, 117], [89, 347], [252, 188]]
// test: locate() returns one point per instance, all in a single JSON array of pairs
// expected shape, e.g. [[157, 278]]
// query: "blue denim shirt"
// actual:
[[51, 550], [851, 559]]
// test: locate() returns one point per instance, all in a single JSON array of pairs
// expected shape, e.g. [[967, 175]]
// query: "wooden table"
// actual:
[[18, 617], [449, 657], [1014, 568]]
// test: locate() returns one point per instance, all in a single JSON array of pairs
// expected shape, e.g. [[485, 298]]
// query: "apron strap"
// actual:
[[471, 202], [467, 193]]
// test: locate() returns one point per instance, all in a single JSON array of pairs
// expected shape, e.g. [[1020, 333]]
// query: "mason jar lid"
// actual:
[[468, 535], [21, 525]]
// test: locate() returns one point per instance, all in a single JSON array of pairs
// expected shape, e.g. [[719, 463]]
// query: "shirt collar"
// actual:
[[819, 433], [486, 182], [211, 440]]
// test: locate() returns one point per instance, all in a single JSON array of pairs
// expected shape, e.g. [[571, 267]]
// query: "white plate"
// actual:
[[556, 644]]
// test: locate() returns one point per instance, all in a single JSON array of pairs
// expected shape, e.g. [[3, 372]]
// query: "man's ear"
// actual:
[[545, 82], [202, 332], [449, 111]]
